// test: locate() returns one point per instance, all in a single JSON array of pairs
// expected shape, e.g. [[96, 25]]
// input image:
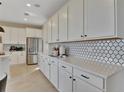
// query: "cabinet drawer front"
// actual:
[[65, 67], [55, 62], [92, 79]]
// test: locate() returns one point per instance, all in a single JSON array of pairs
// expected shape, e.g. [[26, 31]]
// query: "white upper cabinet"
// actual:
[[49, 29], [75, 19], [22, 36], [99, 18], [32, 32], [55, 28], [6, 35], [39, 33], [14, 35], [63, 26], [88, 20]]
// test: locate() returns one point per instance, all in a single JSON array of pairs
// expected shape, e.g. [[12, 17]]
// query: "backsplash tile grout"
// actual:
[[106, 51]]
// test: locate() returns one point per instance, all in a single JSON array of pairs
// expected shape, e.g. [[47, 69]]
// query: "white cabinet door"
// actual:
[[55, 28], [82, 86], [28, 32], [49, 31], [45, 40], [14, 58], [21, 57], [6, 35], [99, 18], [75, 19], [65, 81], [38, 33], [54, 73], [42, 66], [63, 17], [47, 68], [14, 35], [22, 36]]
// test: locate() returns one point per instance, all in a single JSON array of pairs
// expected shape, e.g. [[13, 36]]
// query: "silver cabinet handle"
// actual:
[[85, 76], [64, 67], [53, 62], [74, 79], [82, 36], [85, 35]]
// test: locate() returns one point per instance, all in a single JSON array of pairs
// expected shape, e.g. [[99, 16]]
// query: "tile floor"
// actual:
[[25, 78]]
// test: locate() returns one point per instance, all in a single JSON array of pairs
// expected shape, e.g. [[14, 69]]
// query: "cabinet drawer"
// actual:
[[66, 67], [92, 79], [55, 62]]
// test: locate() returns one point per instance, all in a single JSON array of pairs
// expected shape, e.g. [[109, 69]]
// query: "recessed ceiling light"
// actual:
[[29, 5], [25, 19]]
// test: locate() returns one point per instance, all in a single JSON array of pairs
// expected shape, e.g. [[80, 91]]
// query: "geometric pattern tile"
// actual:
[[107, 51]]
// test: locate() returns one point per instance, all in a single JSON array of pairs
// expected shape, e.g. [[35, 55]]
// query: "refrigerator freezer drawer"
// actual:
[[32, 59]]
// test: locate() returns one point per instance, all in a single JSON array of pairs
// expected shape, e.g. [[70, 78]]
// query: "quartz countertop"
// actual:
[[3, 56], [104, 70], [100, 69]]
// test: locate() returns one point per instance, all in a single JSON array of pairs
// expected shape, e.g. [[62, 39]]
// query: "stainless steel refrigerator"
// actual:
[[34, 46]]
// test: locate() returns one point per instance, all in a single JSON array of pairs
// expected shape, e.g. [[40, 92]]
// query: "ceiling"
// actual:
[[28, 11]]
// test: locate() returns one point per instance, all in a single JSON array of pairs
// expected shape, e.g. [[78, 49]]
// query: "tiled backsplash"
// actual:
[[107, 51]]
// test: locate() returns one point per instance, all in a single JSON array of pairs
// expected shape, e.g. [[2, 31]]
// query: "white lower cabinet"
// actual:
[[70, 78], [65, 78], [50, 69], [22, 57], [82, 86], [14, 58], [46, 68], [18, 58], [65, 81], [54, 73]]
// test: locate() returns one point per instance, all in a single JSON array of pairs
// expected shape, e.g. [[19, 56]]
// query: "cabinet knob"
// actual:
[[85, 35], [64, 67], [53, 62], [82, 36], [74, 79], [70, 77], [57, 39]]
